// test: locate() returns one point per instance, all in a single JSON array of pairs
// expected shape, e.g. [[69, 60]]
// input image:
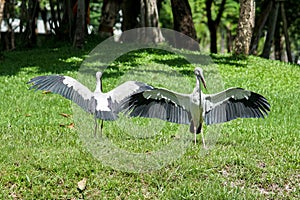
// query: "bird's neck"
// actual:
[[98, 86], [197, 87]]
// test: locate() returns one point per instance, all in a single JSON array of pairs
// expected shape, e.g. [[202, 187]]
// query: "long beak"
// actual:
[[203, 81]]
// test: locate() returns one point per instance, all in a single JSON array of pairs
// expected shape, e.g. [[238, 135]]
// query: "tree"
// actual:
[[259, 25], [271, 30], [142, 13], [109, 13], [245, 27], [149, 18], [286, 34], [8, 38], [2, 3], [280, 28], [130, 11], [213, 24], [183, 22], [80, 25]]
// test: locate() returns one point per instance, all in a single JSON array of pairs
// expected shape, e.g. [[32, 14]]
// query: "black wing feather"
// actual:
[[137, 105], [55, 84], [255, 106]]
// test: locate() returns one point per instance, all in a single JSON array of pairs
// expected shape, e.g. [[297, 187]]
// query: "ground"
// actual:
[[42, 155]]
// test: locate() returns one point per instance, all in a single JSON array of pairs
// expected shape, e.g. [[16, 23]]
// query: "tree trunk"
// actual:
[[68, 18], [109, 13], [183, 23], [142, 13], [245, 26], [66, 28], [2, 3], [213, 24], [278, 42], [259, 27], [222, 42], [271, 31], [9, 35], [213, 38], [31, 25], [80, 25], [130, 11], [229, 40], [286, 34], [149, 18], [23, 16]]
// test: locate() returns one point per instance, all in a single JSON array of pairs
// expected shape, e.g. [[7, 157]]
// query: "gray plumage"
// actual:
[[196, 107], [104, 106]]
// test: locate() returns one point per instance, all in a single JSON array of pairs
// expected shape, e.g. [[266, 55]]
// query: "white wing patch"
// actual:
[[159, 94], [78, 87]]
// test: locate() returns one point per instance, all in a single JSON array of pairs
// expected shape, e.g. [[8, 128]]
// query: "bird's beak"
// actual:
[[203, 81]]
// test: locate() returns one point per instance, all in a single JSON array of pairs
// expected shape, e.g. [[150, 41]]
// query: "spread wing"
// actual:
[[159, 103], [234, 103], [127, 89], [66, 87]]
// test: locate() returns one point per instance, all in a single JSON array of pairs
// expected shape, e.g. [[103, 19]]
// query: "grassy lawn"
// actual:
[[42, 155]]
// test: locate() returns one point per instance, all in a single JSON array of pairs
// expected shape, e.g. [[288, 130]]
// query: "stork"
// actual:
[[196, 107], [104, 106]]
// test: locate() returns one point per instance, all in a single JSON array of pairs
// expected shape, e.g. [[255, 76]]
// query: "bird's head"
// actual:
[[98, 75], [199, 74]]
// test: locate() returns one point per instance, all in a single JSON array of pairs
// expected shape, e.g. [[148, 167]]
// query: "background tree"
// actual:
[[286, 34], [183, 22], [2, 3], [149, 18], [213, 24], [142, 13], [130, 11], [272, 20], [109, 13], [80, 25], [8, 12], [265, 7], [228, 24], [279, 18], [245, 26]]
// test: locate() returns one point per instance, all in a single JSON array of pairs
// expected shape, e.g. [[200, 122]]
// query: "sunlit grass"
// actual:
[[43, 157]]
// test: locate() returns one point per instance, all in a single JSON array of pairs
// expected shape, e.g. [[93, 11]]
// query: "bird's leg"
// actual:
[[101, 127], [96, 127], [203, 141], [195, 134]]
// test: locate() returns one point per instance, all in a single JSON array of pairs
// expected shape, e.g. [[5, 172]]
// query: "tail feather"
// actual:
[[198, 128]]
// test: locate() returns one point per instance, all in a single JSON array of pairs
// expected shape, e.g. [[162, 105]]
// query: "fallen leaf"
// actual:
[[82, 184], [65, 115], [71, 125], [46, 92], [27, 115]]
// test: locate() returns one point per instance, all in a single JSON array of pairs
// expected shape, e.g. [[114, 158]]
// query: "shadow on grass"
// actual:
[[44, 60], [65, 58], [52, 57], [234, 60]]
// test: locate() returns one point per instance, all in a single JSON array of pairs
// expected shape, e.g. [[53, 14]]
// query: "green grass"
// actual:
[[41, 158]]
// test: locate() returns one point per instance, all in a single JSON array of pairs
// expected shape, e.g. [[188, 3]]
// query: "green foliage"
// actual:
[[41, 158], [165, 15], [228, 21], [95, 13]]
